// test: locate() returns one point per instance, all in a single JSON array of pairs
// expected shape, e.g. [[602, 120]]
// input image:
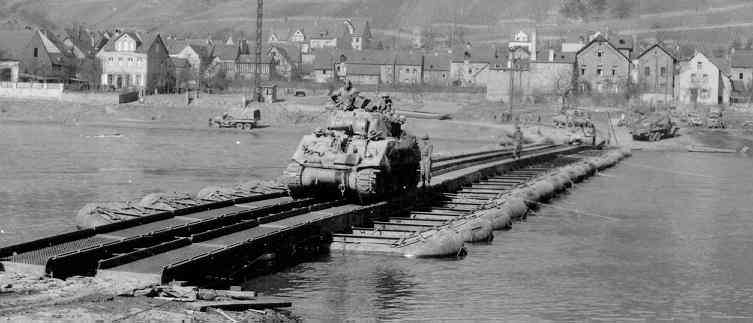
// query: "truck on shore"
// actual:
[[246, 119], [654, 127]]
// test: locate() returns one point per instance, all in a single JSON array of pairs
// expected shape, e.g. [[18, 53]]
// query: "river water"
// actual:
[[660, 235]]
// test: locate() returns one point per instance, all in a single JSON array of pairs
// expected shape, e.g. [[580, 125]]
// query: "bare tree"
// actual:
[[563, 85]]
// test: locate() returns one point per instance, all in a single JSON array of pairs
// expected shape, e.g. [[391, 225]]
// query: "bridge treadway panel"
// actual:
[[154, 264], [208, 214], [40, 256], [263, 203], [148, 227]]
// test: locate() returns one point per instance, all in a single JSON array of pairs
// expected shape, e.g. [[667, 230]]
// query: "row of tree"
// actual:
[[595, 9]]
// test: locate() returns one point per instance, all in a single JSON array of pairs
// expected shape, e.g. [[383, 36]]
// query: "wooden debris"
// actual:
[[212, 294], [221, 312], [239, 305], [181, 293]]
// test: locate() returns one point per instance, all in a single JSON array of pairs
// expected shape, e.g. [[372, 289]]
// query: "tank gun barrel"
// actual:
[[345, 128]]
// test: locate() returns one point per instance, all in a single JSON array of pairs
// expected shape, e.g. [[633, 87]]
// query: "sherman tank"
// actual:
[[654, 127], [363, 153]]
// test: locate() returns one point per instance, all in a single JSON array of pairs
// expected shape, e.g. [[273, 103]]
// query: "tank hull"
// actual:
[[362, 184]]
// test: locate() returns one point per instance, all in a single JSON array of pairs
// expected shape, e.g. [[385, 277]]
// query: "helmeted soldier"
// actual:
[[518, 138], [427, 148], [345, 95]]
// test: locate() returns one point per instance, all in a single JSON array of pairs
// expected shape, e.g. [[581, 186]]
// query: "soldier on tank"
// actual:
[[345, 95], [518, 138], [427, 148]]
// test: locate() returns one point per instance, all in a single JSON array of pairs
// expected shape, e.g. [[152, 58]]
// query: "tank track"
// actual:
[[291, 178]]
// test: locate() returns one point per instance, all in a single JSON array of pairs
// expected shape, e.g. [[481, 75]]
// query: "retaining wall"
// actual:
[[31, 90]]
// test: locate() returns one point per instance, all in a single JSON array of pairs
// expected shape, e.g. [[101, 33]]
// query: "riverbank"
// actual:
[[171, 112], [26, 298]]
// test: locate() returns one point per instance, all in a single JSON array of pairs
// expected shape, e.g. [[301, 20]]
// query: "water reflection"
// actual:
[[394, 289]]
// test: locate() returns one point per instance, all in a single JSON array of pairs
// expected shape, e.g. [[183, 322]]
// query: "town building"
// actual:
[[655, 71], [244, 65], [409, 68], [436, 70], [198, 56], [703, 80], [8, 70], [224, 60], [359, 32], [468, 62], [184, 75], [323, 39], [741, 63], [366, 66], [602, 68], [134, 60], [41, 56], [547, 78], [322, 67], [351, 33], [525, 42], [287, 60]]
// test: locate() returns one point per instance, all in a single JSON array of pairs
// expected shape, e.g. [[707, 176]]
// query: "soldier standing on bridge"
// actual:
[[518, 138], [426, 150]]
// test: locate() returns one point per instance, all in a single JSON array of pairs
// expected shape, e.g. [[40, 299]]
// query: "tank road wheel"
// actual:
[[291, 177], [368, 184]]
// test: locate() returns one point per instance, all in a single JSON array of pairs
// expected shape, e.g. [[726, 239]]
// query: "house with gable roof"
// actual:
[[704, 80], [655, 74], [741, 63], [41, 56], [134, 60], [602, 68]]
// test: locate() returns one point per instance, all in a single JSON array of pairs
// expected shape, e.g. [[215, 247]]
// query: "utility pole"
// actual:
[[512, 88], [257, 51], [514, 68]]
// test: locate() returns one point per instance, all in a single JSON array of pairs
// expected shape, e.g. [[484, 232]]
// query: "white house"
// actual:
[[703, 80]]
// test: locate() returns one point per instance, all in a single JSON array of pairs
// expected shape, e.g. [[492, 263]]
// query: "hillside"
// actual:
[[480, 20]]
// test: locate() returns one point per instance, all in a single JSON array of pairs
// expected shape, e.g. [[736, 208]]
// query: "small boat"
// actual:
[[707, 149]]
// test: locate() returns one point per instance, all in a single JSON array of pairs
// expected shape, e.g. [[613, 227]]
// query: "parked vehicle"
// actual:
[[572, 118], [695, 120], [715, 119], [654, 127], [245, 119]]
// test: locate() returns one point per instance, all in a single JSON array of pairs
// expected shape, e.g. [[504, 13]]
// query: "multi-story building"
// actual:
[[703, 80], [133, 60], [655, 71], [602, 68]]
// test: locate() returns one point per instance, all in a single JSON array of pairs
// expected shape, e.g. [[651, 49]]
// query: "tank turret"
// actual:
[[363, 153]]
